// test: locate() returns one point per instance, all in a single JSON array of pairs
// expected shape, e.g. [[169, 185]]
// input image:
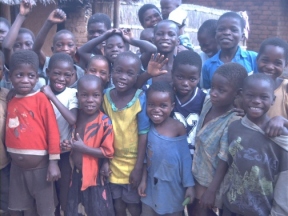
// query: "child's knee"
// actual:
[[134, 209], [119, 205]]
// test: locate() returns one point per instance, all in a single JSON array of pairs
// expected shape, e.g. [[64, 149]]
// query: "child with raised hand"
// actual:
[[229, 33], [256, 181], [211, 144], [60, 71], [31, 134], [94, 140], [126, 107], [4, 29], [168, 176]]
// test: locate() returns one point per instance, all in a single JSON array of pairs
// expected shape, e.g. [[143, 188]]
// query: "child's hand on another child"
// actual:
[[190, 192], [105, 171], [47, 91], [57, 16], [135, 177], [142, 188], [53, 173], [239, 112], [26, 7], [275, 126], [78, 144], [65, 145], [208, 199], [127, 35], [155, 65]]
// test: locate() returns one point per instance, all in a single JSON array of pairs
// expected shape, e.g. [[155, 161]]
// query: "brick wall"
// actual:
[[267, 18]]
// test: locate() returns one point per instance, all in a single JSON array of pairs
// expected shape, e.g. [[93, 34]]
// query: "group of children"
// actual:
[[100, 130]]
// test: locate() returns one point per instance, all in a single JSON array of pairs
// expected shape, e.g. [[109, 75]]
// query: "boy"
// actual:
[[31, 134], [167, 6], [149, 15], [60, 71], [256, 180], [4, 158], [168, 175], [229, 32], [211, 139], [4, 29], [94, 140], [126, 106]]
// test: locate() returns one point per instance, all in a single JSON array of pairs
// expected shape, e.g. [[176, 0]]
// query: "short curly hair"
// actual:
[[187, 57], [208, 26], [7, 23], [235, 16], [143, 9], [24, 57], [63, 31], [259, 76], [100, 18], [161, 86], [60, 57], [26, 31], [126, 55], [234, 73]]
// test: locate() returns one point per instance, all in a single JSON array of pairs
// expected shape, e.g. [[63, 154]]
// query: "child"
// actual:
[[258, 164], [95, 138], [168, 176], [31, 134], [271, 60], [211, 139], [4, 158], [60, 71], [126, 106], [149, 15], [229, 32], [167, 6], [4, 29]]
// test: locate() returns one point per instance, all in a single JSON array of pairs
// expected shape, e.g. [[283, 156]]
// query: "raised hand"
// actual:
[[156, 64], [127, 34], [26, 7], [57, 16]]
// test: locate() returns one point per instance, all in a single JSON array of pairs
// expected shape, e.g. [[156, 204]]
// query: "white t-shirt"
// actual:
[[68, 99]]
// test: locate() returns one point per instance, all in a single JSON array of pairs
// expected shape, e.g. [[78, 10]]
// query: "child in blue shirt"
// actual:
[[229, 33]]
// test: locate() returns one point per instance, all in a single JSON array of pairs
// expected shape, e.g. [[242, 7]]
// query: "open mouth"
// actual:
[[59, 85]]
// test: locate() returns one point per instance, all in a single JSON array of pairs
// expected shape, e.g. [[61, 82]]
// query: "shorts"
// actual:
[[148, 211], [29, 187], [125, 192]]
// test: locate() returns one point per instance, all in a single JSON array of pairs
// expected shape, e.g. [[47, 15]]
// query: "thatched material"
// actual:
[[16, 2]]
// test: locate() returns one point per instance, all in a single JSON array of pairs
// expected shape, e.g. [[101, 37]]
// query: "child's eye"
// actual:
[[18, 75], [193, 79], [71, 45], [31, 76], [67, 75], [163, 105], [179, 77], [58, 45]]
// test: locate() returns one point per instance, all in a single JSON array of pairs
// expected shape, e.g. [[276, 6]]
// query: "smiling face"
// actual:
[[166, 37], [228, 32], [64, 43], [60, 75], [99, 68], [207, 44], [151, 17], [24, 41], [114, 46], [272, 61], [257, 98], [23, 79], [159, 106]]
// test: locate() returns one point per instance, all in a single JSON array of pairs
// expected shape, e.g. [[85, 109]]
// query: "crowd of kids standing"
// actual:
[[102, 131]]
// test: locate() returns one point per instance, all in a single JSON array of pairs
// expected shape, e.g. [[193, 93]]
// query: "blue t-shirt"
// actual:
[[246, 58]]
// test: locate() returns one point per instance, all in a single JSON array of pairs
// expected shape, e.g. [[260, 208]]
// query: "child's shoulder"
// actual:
[[3, 93], [249, 53], [176, 126], [105, 118]]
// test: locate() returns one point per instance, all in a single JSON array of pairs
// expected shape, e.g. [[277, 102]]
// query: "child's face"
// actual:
[[272, 61], [167, 6], [95, 30], [99, 68], [257, 98], [207, 44], [60, 75], [222, 93], [166, 37], [125, 73], [185, 79], [159, 106], [114, 46], [90, 97], [228, 33], [151, 18], [4, 29], [65, 43], [1, 68], [24, 41], [24, 78]]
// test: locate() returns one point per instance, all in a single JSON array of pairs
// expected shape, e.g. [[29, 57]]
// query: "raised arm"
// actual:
[[55, 17]]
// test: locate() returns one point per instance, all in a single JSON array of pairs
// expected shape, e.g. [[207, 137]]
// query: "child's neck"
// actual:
[[278, 81], [226, 55], [85, 118], [185, 98], [261, 121], [220, 110]]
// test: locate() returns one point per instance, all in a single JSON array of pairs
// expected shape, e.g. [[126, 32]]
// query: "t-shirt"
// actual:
[[169, 172], [128, 123], [69, 100], [188, 113], [246, 58], [31, 126]]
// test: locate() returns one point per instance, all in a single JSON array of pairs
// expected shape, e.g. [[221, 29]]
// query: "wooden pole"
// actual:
[[116, 13]]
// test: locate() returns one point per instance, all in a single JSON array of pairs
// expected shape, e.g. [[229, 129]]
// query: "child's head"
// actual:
[[4, 29], [23, 72], [229, 31], [186, 72], [2, 61], [126, 68], [226, 84], [64, 41], [206, 37], [166, 36], [272, 57], [97, 25], [257, 95], [149, 15], [114, 46], [167, 6], [160, 102], [147, 35], [25, 40], [90, 94], [60, 71], [99, 66]]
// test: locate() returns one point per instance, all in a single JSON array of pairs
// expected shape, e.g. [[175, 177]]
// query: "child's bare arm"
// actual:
[[136, 174], [9, 40], [55, 17], [208, 198], [53, 173], [276, 125], [143, 183], [69, 115]]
